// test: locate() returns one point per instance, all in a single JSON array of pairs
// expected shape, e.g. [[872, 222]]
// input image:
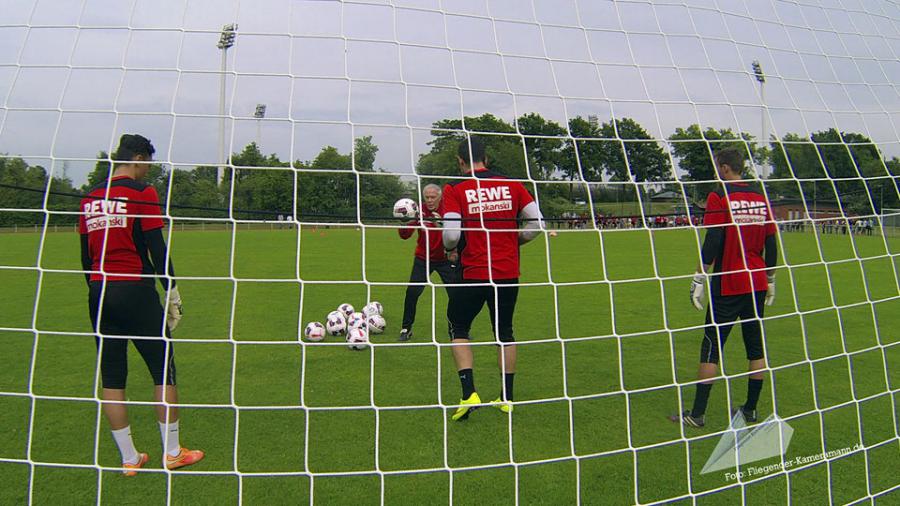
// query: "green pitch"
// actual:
[[837, 367]]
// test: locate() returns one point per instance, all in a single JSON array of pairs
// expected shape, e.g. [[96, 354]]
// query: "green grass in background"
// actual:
[[604, 346]]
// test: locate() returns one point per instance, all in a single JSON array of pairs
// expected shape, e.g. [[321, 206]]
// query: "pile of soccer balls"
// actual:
[[345, 320]]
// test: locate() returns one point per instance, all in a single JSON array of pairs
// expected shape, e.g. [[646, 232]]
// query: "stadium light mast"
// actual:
[[761, 78], [259, 114], [226, 41]]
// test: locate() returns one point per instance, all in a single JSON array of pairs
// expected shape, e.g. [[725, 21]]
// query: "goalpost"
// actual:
[[286, 129]]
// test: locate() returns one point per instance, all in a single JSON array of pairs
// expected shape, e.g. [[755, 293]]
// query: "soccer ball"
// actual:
[[371, 308], [314, 331], [336, 323], [406, 208], [356, 320], [375, 323], [347, 309], [357, 338]]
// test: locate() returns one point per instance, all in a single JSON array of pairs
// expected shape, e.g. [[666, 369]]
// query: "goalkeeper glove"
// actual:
[[174, 310], [770, 292], [698, 290]]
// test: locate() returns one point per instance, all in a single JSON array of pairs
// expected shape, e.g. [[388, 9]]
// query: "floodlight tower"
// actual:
[[259, 115], [226, 41], [761, 78]]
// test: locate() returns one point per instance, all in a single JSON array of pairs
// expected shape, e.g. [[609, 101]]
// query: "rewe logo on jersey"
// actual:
[[748, 211], [101, 213], [489, 200]]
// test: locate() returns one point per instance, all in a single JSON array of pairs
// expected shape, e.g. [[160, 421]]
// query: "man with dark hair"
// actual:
[[740, 231], [429, 256], [483, 211], [731, 157], [122, 251]]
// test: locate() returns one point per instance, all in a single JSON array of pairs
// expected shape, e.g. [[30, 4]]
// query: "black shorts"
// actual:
[[466, 302], [130, 309], [421, 271], [721, 314]]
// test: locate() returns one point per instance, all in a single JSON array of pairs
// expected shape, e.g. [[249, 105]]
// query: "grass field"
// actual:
[[604, 348]]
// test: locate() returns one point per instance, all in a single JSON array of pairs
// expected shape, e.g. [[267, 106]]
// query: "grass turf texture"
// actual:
[[607, 398]]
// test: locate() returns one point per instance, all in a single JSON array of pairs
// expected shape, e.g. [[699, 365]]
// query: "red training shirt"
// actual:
[[127, 215], [428, 231], [743, 209], [499, 201]]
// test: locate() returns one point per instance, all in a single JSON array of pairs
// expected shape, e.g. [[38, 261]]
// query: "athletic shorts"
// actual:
[[721, 314], [130, 310], [466, 301]]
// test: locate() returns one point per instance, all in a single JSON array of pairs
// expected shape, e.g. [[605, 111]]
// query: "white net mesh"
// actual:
[[609, 112]]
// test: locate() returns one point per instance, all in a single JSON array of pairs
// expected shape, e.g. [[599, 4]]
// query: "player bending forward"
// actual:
[[429, 257], [741, 231], [121, 230], [481, 216]]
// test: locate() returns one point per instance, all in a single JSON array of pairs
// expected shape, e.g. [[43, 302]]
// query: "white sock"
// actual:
[[169, 433], [126, 445]]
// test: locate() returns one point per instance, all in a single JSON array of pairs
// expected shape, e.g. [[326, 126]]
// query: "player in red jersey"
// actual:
[[429, 256], [122, 252], [481, 220], [740, 250]]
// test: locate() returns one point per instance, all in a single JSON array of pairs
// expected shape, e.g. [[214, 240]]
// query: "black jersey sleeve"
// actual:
[[157, 246], [712, 244], [87, 263], [771, 252]]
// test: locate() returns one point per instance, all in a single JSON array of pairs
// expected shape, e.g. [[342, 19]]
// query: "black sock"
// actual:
[[701, 399], [754, 387], [507, 393], [467, 380]]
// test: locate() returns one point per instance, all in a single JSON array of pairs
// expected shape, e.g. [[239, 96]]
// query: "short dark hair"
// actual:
[[477, 153], [732, 157], [132, 145]]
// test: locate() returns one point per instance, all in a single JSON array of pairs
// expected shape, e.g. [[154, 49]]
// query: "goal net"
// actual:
[[285, 131]]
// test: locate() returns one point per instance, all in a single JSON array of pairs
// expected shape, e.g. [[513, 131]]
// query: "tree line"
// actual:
[[614, 160]]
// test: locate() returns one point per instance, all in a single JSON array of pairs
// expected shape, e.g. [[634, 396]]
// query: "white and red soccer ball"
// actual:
[[375, 323], [357, 338], [347, 309], [336, 323], [314, 331], [373, 307], [406, 208], [356, 320]]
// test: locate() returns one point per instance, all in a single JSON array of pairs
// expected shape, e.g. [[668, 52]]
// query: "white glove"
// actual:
[[770, 293], [698, 290], [174, 310]]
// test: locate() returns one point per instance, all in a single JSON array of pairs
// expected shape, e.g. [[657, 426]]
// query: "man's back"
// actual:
[[489, 205], [743, 209], [115, 218]]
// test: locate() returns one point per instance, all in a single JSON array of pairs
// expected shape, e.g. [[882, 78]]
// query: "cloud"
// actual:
[[72, 79]]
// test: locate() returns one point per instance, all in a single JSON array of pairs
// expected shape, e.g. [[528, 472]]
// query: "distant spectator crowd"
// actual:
[[579, 221], [857, 226], [575, 221]]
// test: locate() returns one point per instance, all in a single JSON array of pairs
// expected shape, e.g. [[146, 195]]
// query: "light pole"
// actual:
[[761, 78], [226, 40], [259, 115]]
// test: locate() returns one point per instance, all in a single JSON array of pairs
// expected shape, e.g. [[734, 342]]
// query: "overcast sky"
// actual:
[[74, 75]]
